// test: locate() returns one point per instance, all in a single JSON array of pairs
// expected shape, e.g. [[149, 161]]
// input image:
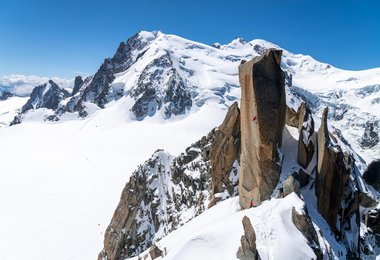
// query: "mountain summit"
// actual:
[[159, 76]]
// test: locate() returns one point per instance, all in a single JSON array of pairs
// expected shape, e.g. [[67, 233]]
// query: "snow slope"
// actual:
[[60, 182], [9, 109], [215, 234]]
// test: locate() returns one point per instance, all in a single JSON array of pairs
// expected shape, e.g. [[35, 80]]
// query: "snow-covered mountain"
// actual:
[[158, 91], [163, 76]]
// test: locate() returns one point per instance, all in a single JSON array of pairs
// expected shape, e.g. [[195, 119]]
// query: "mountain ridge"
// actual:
[[201, 74], [83, 140]]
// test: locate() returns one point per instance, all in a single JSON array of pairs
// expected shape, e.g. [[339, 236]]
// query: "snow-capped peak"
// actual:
[[157, 76], [235, 44], [148, 36]]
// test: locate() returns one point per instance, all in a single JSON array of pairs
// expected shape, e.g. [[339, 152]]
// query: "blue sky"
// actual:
[[65, 37]]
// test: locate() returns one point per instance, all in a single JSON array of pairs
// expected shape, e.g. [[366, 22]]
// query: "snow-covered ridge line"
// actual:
[[159, 77]]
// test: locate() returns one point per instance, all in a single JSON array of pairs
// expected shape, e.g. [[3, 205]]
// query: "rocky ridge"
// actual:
[[48, 95], [165, 192], [325, 170]]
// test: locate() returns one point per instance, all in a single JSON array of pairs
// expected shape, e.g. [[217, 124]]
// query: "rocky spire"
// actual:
[[337, 189], [306, 131], [263, 112], [78, 82]]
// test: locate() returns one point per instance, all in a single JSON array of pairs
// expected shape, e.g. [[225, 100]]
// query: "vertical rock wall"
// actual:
[[263, 109], [306, 146], [337, 190], [225, 151]]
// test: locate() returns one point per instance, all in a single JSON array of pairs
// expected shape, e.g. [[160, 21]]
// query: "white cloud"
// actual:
[[23, 85]]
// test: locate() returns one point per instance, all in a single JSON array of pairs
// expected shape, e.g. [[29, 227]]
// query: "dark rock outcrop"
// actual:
[[337, 190], [371, 242], [306, 146], [247, 250], [302, 177], [373, 221], [263, 112], [372, 175], [4, 95], [225, 150], [48, 95], [304, 224], [160, 86], [155, 252], [78, 83], [370, 137]]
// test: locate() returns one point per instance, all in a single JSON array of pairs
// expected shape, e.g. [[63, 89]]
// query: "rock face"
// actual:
[[372, 175], [48, 95], [374, 221], [371, 243], [154, 200], [337, 189], [78, 83], [306, 131], [159, 86], [161, 190], [4, 95], [225, 151], [98, 90], [168, 90], [155, 252], [292, 117], [332, 175], [247, 250], [290, 185], [263, 112], [370, 137], [304, 224]]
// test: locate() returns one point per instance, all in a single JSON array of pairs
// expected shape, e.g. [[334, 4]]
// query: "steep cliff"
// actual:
[[263, 112]]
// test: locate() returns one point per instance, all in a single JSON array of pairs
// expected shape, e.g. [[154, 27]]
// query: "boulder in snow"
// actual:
[[248, 250]]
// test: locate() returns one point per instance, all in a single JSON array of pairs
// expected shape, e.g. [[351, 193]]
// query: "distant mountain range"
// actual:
[[164, 76]]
